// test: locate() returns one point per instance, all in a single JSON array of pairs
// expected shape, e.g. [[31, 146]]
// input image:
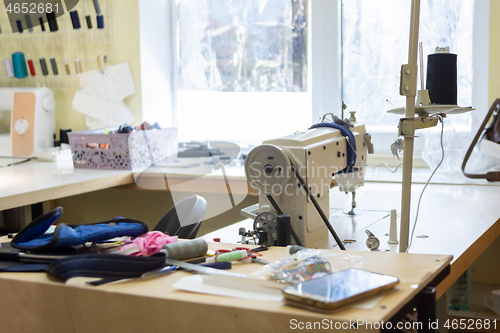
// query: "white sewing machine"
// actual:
[[319, 155], [32, 120]]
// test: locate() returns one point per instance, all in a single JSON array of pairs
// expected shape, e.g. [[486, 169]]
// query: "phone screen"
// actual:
[[339, 286]]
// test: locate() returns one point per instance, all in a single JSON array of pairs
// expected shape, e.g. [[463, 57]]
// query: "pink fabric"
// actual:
[[149, 243]]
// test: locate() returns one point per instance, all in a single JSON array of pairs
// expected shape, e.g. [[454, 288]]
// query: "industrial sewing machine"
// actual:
[[32, 120], [294, 174]]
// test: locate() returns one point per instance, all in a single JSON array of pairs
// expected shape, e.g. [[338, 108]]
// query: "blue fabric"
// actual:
[[345, 131], [33, 236], [39, 229], [85, 233]]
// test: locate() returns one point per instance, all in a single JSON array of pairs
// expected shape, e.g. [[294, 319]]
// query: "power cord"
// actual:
[[428, 181], [386, 165]]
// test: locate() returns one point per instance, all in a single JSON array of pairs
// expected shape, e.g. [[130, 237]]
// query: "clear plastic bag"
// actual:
[[485, 156], [307, 265]]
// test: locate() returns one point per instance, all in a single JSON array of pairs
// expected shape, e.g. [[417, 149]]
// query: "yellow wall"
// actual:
[[124, 48], [122, 26], [494, 73]]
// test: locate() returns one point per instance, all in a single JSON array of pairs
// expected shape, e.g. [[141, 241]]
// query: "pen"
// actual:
[[159, 272]]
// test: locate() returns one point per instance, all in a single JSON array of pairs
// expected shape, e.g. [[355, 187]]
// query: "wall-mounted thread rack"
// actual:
[[66, 46]]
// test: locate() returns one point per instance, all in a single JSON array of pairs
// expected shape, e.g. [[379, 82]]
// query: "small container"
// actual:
[[460, 293], [94, 149]]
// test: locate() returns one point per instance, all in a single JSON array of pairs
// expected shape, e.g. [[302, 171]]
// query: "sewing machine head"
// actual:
[[32, 120], [323, 156]]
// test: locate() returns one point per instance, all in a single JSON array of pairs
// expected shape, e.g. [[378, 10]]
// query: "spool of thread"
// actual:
[[283, 230], [228, 257], [63, 135], [51, 19], [32, 67], [42, 24], [186, 250], [75, 19], [19, 61], [78, 66], [29, 24], [100, 62], [393, 231], [68, 70], [19, 26], [295, 248], [89, 21], [53, 63], [43, 64], [9, 68], [100, 21], [442, 78], [97, 7]]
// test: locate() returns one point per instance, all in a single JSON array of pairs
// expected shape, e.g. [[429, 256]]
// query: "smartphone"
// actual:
[[338, 289]]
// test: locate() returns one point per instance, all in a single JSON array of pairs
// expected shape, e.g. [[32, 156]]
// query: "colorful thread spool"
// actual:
[[97, 7], [228, 257], [100, 22], [19, 62], [43, 64], [31, 66], [42, 24], [54, 66], [186, 250], [29, 24], [19, 26], [9, 68], [51, 19], [442, 78], [75, 19]]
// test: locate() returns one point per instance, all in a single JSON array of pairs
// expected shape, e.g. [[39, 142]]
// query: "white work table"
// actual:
[[35, 181]]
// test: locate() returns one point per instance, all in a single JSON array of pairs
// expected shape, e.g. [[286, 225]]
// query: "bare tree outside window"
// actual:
[[244, 45], [375, 45]]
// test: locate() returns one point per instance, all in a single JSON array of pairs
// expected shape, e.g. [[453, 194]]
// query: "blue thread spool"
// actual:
[[19, 26], [100, 22], [20, 69], [75, 19]]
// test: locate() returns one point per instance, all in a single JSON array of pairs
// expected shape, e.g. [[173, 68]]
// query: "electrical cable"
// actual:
[[318, 208], [27, 159], [428, 181], [386, 165]]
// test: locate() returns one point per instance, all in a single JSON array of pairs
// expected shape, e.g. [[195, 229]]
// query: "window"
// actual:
[[375, 44], [250, 70], [243, 69]]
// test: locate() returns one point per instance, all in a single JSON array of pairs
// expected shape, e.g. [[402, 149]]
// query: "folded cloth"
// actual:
[[33, 237]]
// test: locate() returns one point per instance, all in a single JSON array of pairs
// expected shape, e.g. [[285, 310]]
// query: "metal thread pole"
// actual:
[[409, 138]]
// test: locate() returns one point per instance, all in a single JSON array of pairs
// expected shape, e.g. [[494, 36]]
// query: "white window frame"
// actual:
[[324, 63]]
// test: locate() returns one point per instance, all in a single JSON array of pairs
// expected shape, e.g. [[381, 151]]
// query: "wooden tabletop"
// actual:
[[457, 220], [36, 302]]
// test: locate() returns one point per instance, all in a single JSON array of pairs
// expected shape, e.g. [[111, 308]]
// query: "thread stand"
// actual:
[[41, 44]]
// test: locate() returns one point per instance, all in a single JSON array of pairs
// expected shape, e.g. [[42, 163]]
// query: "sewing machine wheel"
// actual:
[[268, 222], [268, 169]]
